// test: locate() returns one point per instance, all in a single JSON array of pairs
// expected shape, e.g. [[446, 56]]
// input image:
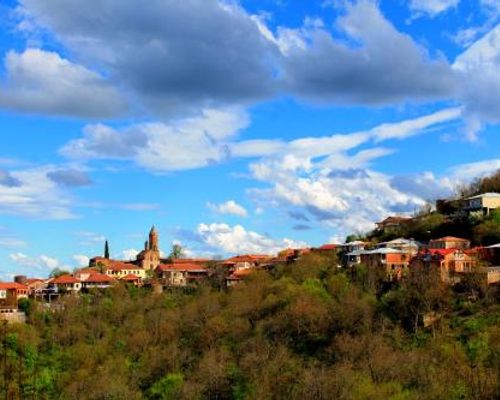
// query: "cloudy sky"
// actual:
[[234, 126]]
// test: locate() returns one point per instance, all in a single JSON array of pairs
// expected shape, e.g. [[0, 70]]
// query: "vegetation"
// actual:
[[448, 220], [307, 330]]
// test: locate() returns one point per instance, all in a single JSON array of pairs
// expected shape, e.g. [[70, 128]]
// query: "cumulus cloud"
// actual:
[[81, 260], [69, 177], [183, 144], [228, 207], [383, 66], [172, 54], [478, 68], [176, 56], [41, 262], [6, 179], [238, 240], [38, 81], [35, 196], [329, 179], [129, 254]]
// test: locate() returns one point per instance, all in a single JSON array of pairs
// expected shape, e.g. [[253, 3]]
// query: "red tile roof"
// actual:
[[97, 277], [65, 279], [247, 258], [12, 285], [181, 267], [328, 247]]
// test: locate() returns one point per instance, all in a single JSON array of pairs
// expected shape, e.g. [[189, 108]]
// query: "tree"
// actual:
[[106, 250], [176, 252], [58, 272]]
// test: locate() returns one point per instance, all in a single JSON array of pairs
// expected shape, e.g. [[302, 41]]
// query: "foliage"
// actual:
[[307, 330], [176, 252]]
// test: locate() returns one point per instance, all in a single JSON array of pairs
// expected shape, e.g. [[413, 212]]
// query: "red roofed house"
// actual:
[[118, 270], [449, 242], [132, 279], [450, 262], [97, 280], [246, 261], [66, 283], [180, 274], [237, 276], [327, 248], [392, 222], [11, 293]]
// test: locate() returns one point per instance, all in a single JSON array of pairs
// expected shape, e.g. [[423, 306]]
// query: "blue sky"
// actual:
[[234, 127]]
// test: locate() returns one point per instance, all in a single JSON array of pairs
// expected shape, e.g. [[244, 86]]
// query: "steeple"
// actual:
[[153, 239]]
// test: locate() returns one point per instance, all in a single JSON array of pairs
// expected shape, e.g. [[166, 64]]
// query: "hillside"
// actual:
[[446, 219], [307, 330]]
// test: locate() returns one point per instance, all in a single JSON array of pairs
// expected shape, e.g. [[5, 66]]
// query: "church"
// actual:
[[147, 260]]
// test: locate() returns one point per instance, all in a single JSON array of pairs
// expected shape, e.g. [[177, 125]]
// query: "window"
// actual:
[[3, 294]]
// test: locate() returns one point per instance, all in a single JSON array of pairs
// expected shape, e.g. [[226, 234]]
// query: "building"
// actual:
[[449, 242], [120, 269], [482, 204], [392, 223], [11, 293], [180, 273], [406, 245], [393, 262], [237, 277], [451, 263], [246, 261], [96, 280], [149, 258], [65, 283]]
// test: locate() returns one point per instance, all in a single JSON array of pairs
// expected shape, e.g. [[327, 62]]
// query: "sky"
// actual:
[[234, 126]]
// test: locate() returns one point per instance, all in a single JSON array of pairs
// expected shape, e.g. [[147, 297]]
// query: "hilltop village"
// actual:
[[455, 258]]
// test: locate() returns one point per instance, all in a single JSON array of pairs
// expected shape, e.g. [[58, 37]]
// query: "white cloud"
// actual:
[[35, 195], [237, 240], [40, 262], [433, 7], [467, 172], [184, 144], [81, 260], [129, 254], [229, 207], [39, 81], [477, 68]]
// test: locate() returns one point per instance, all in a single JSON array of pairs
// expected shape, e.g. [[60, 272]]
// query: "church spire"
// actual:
[[153, 239]]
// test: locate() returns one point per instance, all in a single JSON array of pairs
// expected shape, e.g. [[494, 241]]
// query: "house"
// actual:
[[407, 245], [11, 293], [356, 245], [245, 261], [35, 285], [352, 258], [327, 248], [96, 280], [482, 204], [66, 283], [393, 262], [450, 262], [132, 279], [449, 242], [237, 277], [180, 274], [392, 223], [119, 269]]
